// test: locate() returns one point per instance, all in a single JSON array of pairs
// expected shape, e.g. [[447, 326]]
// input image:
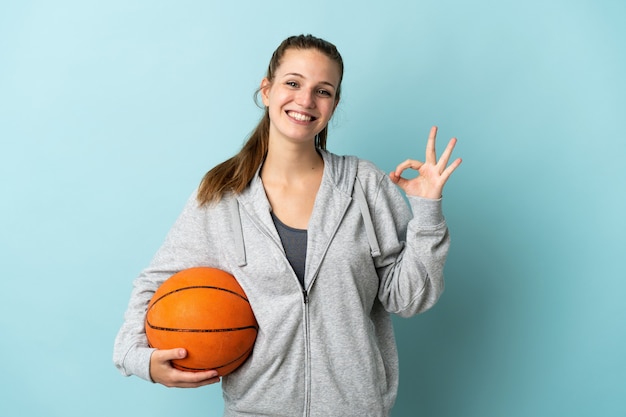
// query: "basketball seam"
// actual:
[[174, 329], [210, 287]]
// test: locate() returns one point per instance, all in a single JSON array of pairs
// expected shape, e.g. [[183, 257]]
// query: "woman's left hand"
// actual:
[[433, 174]]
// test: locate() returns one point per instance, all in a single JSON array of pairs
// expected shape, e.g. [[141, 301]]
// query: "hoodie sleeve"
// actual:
[[185, 246], [413, 249]]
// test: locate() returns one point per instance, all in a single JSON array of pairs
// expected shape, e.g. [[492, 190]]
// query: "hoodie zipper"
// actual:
[[307, 343], [307, 329], [307, 355]]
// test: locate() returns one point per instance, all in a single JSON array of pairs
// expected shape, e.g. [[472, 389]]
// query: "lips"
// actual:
[[300, 117]]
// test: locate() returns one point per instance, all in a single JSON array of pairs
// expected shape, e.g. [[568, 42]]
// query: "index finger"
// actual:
[[408, 164]]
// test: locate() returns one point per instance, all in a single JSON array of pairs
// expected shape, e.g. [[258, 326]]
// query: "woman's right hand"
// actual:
[[162, 371]]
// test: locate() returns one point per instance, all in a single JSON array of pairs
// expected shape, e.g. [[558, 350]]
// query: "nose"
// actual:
[[306, 98]]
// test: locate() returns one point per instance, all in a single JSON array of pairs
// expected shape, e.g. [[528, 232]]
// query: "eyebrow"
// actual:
[[302, 76]]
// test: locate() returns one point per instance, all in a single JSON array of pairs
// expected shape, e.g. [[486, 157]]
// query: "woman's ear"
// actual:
[[265, 89]]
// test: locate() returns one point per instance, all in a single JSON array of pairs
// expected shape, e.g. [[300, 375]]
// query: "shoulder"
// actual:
[[380, 191], [373, 179], [195, 209], [345, 168], [367, 169]]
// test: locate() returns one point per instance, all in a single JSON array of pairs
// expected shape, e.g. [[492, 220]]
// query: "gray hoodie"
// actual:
[[328, 349]]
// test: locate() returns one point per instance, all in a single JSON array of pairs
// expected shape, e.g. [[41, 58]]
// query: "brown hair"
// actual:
[[234, 174]]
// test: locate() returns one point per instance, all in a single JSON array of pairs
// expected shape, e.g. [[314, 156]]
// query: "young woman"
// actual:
[[324, 246]]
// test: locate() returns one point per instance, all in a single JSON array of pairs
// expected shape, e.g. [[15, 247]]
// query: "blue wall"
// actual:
[[110, 112]]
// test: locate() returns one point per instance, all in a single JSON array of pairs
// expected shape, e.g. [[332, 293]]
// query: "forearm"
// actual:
[[413, 281]]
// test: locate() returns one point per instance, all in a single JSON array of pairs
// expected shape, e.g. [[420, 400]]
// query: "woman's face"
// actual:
[[302, 97]]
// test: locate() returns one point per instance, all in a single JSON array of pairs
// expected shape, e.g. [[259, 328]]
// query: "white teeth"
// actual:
[[300, 117]]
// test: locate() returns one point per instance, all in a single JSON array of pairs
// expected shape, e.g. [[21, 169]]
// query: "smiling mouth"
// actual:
[[300, 117]]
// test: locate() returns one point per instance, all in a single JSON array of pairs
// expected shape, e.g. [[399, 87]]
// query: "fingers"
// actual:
[[408, 164], [432, 174], [445, 156], [162, 371], [397, 179], [450, 169], [443, 167], [184, 379], [164, 355], [396, 175], [431, 153]]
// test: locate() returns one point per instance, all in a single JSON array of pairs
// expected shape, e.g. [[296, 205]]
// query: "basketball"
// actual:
[[205, 311]]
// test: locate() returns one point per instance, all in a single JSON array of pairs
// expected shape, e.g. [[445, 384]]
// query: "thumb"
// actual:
[[171, 354], [397, 179]]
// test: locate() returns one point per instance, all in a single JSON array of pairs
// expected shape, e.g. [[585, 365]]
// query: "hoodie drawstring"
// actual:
[[367, 219], [238, 233]]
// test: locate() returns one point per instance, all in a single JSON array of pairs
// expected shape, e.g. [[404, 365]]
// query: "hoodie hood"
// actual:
[[333, 197]]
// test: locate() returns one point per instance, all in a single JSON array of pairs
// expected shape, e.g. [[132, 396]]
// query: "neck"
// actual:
[[287, 163]]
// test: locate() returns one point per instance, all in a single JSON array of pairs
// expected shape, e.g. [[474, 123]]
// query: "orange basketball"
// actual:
[[205, 311]]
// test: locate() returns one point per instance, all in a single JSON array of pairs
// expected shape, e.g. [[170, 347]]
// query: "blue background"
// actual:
[[110, 113]]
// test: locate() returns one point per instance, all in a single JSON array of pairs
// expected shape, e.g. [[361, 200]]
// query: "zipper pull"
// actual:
[[306, 296]]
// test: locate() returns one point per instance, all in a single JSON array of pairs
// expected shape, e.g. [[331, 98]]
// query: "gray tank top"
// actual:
[[294, 243]]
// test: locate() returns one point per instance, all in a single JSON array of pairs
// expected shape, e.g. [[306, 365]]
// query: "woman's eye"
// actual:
[[292, 84], [325, 93]]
